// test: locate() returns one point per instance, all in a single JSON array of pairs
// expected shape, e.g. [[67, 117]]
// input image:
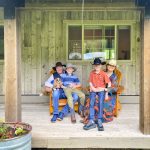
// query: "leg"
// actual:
[[101, 97], [91, 124], [92, 102], [56, 94], [81, 96], [82, 99], [68, 93], [66, 108], [75, 97]]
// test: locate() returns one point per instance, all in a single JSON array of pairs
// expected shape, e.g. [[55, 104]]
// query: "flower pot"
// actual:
[[21, 142]]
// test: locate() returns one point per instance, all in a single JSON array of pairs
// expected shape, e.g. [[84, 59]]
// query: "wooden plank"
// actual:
[[27, 33], [22, 20], [38, 51], [51, 39], [34, 51], [138, 54], [58, 37], [12, 72], [145, 81], [1, 78], [28, 52], [28, 70], [44, 45]]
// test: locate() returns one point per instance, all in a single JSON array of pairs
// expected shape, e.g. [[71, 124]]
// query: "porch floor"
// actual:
[[123, 132]]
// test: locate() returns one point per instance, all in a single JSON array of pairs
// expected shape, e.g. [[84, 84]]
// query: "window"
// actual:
[[1, 42], [90, 41], [99, 42], [75, 42], [124, 42]]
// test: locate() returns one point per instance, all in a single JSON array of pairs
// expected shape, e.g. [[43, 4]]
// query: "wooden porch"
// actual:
[[123, 132]]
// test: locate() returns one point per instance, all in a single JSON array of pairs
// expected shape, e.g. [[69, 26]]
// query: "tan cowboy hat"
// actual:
[[69, 65], [112, 62]]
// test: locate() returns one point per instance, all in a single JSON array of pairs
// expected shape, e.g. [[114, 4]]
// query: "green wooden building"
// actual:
[[76, 31], [37, 33]]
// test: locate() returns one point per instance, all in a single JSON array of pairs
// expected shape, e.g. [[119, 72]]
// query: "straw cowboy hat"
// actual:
[[112, 63], [71, 66]]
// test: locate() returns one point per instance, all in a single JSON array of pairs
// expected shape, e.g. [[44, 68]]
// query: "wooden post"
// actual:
[[145, 81], [12, 71]]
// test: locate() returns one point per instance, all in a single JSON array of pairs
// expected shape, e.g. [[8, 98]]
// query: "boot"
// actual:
[[73, 118]]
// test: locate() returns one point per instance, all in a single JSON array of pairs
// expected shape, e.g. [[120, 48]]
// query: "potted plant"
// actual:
[[15, 136]]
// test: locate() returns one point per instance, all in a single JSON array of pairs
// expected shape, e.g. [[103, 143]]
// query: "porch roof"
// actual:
[[123, 132]]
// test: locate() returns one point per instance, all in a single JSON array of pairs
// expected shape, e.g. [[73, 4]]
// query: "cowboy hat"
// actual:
[[69, 65], [58, 64], [97, 61], [112, 62]]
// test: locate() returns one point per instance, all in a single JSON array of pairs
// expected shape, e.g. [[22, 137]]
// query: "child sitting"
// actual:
[[98, 80], [70, 85]]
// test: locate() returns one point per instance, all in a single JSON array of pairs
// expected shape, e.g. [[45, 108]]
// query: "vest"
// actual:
[[56, 75]]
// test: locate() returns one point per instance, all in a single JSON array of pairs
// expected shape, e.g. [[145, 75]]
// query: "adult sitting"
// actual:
[[110, 67], [57, 92]]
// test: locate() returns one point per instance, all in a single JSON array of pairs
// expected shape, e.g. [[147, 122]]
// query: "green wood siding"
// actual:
[[43, 37], [43, 33]]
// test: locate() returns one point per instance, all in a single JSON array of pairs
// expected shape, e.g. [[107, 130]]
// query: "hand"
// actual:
[[58, 87], [106, 89], [48, 89], [93, 89], [99, 89]]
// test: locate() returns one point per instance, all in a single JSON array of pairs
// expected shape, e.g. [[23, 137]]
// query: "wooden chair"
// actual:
[[62, 102], [119, 91]]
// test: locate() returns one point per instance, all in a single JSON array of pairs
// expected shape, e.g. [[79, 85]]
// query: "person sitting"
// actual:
[[71, 84], [98, 80], [110, 95], [57, 92], [110, 67]]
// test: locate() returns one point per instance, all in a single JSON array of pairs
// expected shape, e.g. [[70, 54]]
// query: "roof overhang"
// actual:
[[9, 7]]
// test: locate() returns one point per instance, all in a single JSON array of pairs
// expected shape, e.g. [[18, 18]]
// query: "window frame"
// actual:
[[115, 23]]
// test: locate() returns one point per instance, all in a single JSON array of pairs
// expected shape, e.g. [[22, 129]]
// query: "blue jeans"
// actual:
[[58, 94], [101, 97]]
